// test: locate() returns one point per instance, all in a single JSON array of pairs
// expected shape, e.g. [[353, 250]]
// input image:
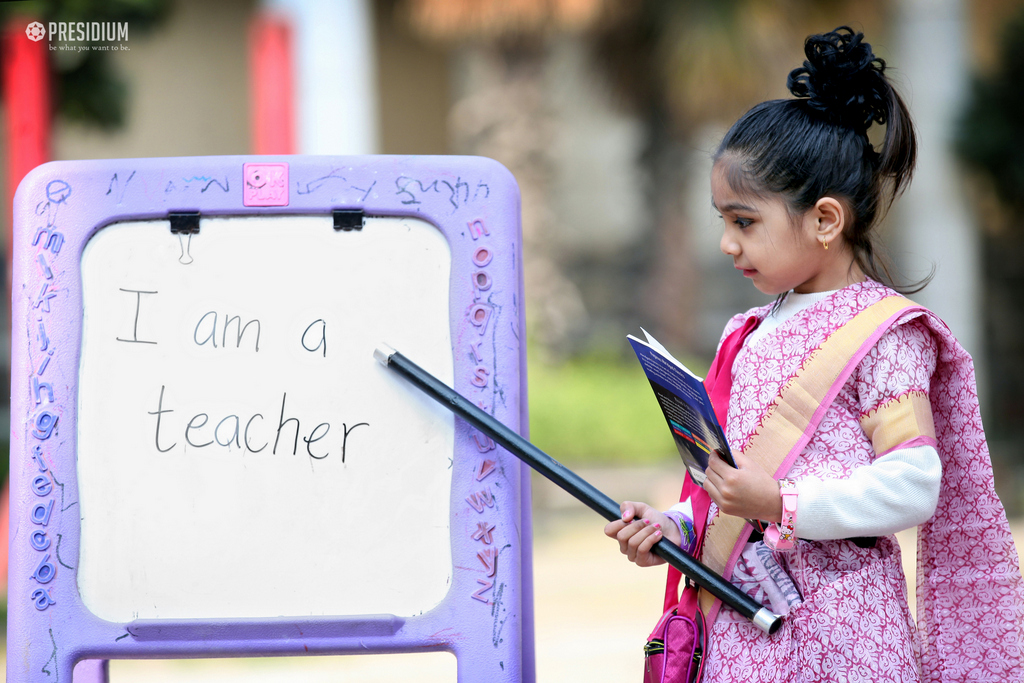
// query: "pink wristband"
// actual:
[[782, 536]]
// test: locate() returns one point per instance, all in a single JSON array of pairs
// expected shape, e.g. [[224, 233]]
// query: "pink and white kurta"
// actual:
[[852, 622]]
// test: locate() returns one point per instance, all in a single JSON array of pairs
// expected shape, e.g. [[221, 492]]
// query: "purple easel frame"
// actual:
[[485, 620]]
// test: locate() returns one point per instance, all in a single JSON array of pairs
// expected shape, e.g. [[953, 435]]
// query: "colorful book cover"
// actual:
[[686, 405]]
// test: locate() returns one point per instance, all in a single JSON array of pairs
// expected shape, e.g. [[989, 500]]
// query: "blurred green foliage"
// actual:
[[597, 410], [87, 89]]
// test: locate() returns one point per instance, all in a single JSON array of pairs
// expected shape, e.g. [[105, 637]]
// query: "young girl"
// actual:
[[849, 403]]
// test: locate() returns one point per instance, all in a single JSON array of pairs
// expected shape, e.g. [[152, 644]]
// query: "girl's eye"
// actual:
[[741, 222]]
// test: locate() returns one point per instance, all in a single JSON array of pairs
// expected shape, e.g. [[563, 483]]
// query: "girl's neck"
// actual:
[[834, 278]]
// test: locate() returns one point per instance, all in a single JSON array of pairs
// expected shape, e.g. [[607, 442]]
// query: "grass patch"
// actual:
[[598, 411]]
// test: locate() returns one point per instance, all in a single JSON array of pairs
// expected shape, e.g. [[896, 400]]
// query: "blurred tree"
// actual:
[[502, 110], [673, 65], [87, 89], [991, 133], [990, 140]]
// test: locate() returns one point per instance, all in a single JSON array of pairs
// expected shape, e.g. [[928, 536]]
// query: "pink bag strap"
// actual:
[[700, 501], [719, 379], [718, 384]]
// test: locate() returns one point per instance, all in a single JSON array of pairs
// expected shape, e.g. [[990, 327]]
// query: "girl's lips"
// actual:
[[747, 272]]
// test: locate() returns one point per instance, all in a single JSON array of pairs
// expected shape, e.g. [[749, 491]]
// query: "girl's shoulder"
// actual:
[[850, 300], [917, 324], [738, 320], [907, 340], [917, 327], [902, 361]]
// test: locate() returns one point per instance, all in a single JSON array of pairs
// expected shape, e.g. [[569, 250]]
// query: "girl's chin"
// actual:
[[766, 288], [758, 280]]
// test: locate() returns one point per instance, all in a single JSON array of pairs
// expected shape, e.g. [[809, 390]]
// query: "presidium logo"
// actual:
[[91, 32], [35, 31]]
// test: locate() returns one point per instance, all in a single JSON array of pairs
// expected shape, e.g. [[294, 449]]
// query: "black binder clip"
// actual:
[[184, 222], [348, 219]]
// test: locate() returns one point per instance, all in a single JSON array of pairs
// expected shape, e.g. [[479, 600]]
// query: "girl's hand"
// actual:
[[639, 529], [743, 491]]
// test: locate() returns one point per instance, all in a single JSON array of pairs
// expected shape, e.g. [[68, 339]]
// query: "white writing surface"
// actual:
[[240, 452]]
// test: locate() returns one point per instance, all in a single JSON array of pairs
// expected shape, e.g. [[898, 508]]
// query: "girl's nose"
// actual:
[[729, 246]]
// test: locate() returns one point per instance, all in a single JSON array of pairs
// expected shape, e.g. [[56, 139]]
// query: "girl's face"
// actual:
[[776, 251]]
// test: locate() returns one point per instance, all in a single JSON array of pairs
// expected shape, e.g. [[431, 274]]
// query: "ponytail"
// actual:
[[898, 157]]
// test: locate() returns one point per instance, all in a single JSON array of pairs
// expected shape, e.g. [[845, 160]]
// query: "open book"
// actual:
[[686, 406]]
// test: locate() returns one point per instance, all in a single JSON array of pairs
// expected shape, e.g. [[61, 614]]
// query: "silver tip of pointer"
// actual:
[[767, 621], [383, 354]]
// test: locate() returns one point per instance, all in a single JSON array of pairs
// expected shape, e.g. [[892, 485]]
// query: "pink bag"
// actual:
[[674, 652], [675, 649]]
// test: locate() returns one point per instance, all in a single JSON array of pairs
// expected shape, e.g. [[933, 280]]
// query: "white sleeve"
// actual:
[[897, 491], [685, 508]]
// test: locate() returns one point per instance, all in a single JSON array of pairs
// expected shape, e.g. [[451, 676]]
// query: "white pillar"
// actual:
[[336, 79], [933, 223]]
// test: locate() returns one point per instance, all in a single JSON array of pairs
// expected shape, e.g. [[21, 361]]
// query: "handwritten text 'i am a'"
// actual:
[[252, 432]]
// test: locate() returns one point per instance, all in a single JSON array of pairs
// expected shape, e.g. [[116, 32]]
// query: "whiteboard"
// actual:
[[270, 465]]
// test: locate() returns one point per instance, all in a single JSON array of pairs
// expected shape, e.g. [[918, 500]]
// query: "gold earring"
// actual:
[[825, 244]]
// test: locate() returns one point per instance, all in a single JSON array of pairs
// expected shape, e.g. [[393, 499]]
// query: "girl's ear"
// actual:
[[829, 216]]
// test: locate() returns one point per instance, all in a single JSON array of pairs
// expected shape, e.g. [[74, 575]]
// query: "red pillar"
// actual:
[[26, 99], [26, 96], [271, 90]]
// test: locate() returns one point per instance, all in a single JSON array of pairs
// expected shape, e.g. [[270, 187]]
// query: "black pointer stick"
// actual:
[[573, 484]]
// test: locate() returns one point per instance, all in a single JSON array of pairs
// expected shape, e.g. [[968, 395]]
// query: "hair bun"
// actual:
[[842, 79]]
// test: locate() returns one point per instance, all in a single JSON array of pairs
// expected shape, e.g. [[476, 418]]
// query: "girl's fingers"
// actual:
[[721, 475], [713, 490], [636, 532], [716, 465], [628, 533], [627, 530], [612, 529], [644, 547], [631, 510], [640, 545], [712, 478]]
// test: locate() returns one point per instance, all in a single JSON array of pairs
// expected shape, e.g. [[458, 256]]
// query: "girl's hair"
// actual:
[[817, 145]]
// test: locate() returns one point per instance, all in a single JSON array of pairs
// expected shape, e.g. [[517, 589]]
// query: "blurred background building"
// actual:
[[607, 112]]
